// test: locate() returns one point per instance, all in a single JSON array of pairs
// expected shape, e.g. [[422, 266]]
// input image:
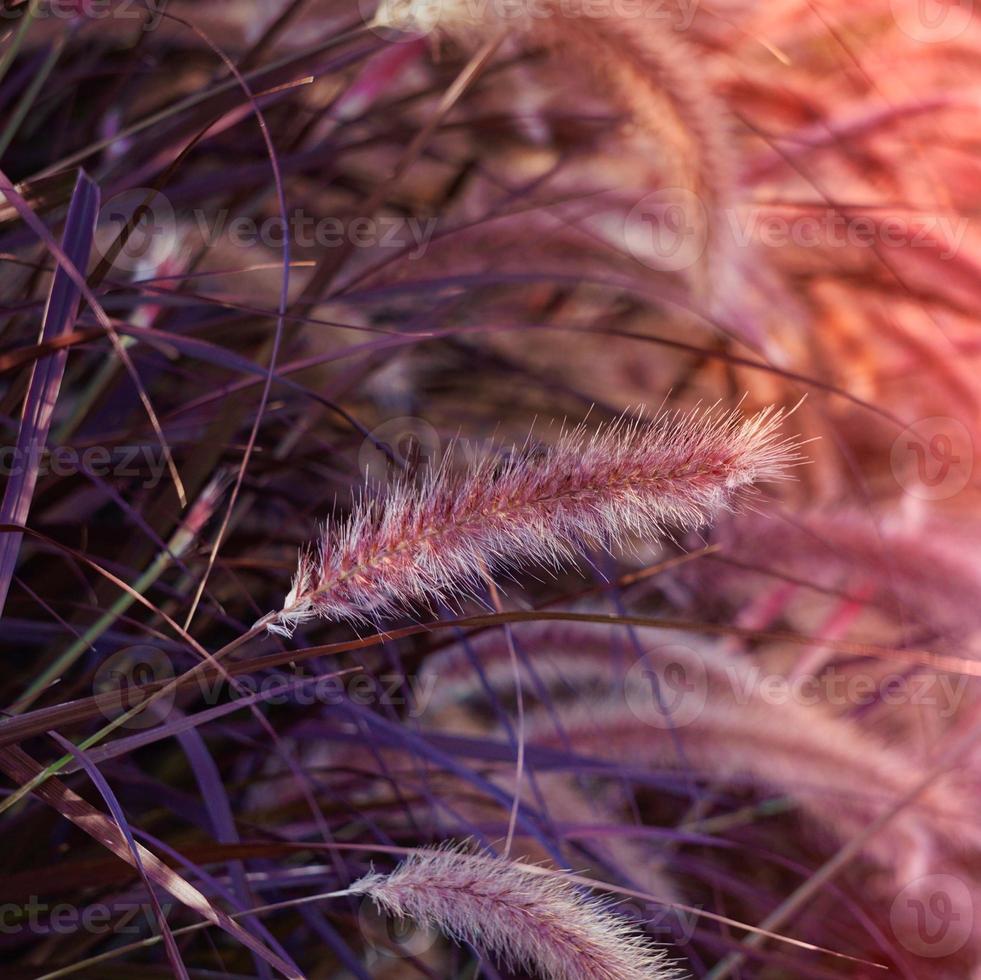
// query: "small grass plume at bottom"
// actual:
[[525, 917]]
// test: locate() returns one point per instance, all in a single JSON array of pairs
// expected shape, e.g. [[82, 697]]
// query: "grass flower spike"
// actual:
[[527, 918], [692, 721], [639, 479], [645, 67]]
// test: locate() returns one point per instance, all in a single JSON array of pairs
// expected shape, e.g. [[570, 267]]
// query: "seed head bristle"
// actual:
[[633, 479]]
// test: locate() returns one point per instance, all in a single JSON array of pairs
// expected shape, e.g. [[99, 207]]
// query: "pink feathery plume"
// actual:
[[733, 722], [565, 659], [842, 776], [644, 65], [632, 478], [921, 573], [527, 918]]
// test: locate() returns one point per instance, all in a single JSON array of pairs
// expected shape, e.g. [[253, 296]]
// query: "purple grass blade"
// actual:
[[21, 768], [179, 722], [208, 777], [201, 875], [42, 390], [105, 791]]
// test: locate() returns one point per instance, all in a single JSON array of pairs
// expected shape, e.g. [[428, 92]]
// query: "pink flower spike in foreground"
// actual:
[[528, 918], [632, 479]]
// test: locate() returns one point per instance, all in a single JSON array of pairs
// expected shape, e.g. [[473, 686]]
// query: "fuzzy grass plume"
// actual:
[[526, 918], [843, 777], [646, 68], [630, 479]]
